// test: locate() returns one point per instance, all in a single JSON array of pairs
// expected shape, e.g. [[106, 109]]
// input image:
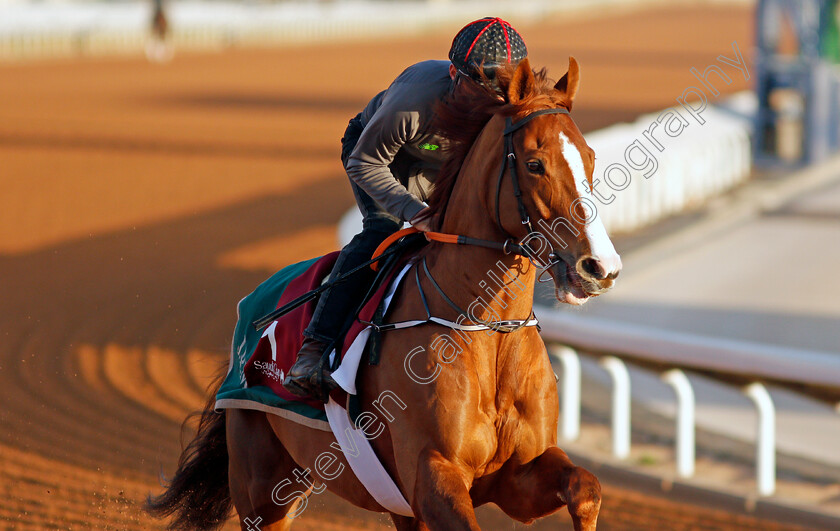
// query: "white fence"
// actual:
[[683, 171], [45, 29], [751, 365], [700, 163]]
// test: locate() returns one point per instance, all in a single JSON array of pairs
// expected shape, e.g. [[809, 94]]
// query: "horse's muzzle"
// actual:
[[576, 280]]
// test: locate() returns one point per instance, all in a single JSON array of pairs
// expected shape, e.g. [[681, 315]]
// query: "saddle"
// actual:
[[394, 251]]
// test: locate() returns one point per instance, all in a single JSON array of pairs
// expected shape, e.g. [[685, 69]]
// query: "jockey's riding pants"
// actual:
[[337, 303]]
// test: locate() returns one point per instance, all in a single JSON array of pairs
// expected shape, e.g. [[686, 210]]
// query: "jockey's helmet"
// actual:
[[486, 44]]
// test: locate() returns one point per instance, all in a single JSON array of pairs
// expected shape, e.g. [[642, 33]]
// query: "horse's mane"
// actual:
[[460, 118]]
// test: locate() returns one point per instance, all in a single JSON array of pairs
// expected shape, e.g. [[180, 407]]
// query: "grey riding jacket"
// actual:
[[397, 157]]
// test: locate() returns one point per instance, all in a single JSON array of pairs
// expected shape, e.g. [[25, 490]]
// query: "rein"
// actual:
[[508, 246]]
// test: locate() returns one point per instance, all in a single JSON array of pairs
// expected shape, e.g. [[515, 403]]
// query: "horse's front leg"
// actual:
[[441, 495], [540, 487]]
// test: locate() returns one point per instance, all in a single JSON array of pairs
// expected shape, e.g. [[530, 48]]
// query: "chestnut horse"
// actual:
[[471, 417]]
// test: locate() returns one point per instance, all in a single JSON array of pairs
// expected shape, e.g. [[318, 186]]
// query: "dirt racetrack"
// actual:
[[140, 202]]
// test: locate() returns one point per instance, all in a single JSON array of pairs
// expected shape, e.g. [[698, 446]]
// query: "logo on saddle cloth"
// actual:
[[429, 147], [270, 370]]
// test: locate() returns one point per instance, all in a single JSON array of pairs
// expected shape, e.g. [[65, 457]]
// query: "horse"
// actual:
[[157, 47], [465, 418], [160, 23]]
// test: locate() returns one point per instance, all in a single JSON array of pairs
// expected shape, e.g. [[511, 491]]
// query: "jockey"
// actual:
[[392, 156]]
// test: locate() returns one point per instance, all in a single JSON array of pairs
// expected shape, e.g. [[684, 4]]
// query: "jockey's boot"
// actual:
[[306, 377]]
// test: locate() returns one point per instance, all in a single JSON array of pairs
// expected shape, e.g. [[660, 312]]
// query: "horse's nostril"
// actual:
[[592, 268]]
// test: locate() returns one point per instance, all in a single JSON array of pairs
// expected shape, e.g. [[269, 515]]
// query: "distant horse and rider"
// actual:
[[158, 48], [511, 203]]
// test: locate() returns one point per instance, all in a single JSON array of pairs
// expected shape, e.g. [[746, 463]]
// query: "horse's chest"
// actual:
[[523, 422], [499, 424]]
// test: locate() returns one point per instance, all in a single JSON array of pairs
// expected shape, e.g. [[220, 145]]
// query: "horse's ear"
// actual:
[[522, 83], [570, 82]]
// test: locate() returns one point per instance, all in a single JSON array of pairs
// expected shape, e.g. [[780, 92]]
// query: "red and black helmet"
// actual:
[[487, 42]]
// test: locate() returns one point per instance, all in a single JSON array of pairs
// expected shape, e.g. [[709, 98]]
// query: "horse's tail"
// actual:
[[198, 495]]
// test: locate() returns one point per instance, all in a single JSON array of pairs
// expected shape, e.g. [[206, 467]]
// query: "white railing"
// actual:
[[703, 161], [752, 365], [47, 29]]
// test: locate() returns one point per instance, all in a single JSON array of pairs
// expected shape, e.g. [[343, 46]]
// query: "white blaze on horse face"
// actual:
[[600, 245]]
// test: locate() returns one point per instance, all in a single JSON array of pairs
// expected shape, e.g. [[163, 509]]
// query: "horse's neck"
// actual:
[[496, 282]]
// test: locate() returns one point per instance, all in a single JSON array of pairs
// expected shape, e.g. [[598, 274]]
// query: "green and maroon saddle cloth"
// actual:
[[260, 359]]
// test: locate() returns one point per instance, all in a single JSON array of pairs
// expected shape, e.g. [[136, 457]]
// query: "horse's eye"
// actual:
[[535, 166]]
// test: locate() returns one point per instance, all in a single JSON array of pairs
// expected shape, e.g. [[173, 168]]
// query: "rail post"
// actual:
[[620, 405], [570, 428], [765, 438], [685, 421]]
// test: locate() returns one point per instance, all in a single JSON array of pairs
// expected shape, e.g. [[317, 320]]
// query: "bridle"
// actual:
[[510, 157], [508, 246], [510, 127]]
